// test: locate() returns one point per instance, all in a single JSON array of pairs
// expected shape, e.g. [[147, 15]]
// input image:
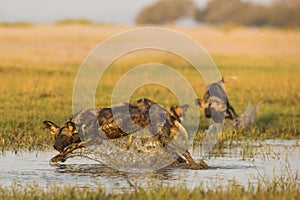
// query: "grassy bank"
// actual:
[[39, 65], [278, 188]]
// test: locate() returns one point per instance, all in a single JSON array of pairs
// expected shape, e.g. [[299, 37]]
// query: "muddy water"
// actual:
[[242, 163]]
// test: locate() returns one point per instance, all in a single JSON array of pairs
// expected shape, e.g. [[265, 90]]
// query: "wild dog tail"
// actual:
[[225, 79]]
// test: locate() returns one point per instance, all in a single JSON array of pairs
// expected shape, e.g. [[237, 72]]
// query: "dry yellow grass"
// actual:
[[56, 44]]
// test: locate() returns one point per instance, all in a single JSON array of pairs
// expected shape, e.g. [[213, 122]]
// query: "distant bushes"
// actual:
[[232, 12], [166, 11], [281, 13], [285, 14]]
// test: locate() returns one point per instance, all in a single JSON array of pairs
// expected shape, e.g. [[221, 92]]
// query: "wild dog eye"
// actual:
[[64, 136]]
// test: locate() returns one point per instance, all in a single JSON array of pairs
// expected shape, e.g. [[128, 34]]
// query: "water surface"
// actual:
[[243, 163]]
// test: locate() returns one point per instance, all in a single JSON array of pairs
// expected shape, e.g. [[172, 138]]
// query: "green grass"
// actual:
[[278, 188], [45, 94]]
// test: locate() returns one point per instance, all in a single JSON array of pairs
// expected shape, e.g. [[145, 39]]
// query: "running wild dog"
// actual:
[[113, 123], [215, 101]]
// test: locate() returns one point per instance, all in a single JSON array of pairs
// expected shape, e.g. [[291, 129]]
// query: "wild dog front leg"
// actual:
[[62, 157], [193, 165], [186, 154], [231, 111]]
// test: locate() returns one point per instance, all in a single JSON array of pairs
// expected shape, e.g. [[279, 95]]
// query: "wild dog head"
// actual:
[[178, 112], [64, 136]]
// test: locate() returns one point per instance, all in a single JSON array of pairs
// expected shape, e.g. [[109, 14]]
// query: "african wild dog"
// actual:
[[215, 101], [112, 123]]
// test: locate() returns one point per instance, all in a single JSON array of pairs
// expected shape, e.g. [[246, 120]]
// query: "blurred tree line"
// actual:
[[281, 13], [166, 11]]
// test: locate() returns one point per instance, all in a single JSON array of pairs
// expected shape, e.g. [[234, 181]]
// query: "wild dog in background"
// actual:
[[215, 100]]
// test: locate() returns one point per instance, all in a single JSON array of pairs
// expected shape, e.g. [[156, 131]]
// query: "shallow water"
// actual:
[[242, 163]]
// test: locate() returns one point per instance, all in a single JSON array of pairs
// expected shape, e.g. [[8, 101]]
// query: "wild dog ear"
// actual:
[[177, 110], [53, 128], [184, 107], [70, 126], [201, 103], [172, 109], [198, 102]]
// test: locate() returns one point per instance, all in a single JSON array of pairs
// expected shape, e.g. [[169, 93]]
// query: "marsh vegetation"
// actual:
[[39, 65]]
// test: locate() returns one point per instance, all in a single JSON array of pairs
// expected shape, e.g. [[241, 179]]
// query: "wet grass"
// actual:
[[283, 187], [39, 65]]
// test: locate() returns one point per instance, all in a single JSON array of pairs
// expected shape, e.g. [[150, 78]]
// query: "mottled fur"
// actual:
[[112, 123]]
